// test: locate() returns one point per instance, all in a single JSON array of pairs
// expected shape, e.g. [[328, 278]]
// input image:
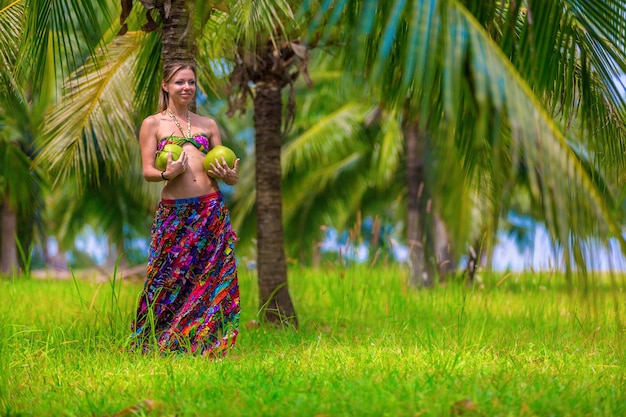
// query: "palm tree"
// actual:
[[265, 58], [32, 60], [341, 140], [494, 92]]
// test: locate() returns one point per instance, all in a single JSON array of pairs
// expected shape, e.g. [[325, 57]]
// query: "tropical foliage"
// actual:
[[515, 104], [38, 47], [496, 86]]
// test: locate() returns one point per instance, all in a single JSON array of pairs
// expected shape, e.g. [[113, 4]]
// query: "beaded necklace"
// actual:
[[178, 124]]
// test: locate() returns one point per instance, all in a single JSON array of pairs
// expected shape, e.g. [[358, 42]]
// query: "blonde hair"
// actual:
[[168, 73]]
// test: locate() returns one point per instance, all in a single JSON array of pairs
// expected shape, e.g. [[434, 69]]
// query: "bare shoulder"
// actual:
[[152, 121], [206, 121], [149, 128], [207, 124]]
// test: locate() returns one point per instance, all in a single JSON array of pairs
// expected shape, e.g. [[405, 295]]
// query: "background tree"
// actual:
[[341, 140], [495, 93], [258, 42], [482, 128], [39, 44]]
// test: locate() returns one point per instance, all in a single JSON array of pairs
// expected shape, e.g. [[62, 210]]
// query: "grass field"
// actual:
[[367, 346]]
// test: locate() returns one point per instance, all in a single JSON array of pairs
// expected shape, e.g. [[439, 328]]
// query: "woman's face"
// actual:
[[181, 87]]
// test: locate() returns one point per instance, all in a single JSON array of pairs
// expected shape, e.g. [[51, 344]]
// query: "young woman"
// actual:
[[190, 300]]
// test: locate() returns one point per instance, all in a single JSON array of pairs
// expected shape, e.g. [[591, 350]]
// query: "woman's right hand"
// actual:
[[174, 168]]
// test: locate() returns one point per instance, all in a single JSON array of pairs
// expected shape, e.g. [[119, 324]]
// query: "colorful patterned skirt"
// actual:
[[190, 300]]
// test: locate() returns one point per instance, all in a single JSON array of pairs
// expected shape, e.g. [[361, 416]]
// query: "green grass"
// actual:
[[367, 346]]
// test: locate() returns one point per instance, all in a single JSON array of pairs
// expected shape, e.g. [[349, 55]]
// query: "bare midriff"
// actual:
[[194, 182]]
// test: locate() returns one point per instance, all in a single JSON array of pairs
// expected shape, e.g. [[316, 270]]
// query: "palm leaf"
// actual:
[[11, 23], [337, 130], [94, 123], [56, 33], [259, 18]]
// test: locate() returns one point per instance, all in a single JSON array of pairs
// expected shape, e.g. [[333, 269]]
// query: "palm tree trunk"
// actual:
[[8, 248], [446, 260], [430, 253], [421, 271], [178, 38], [272, 266]]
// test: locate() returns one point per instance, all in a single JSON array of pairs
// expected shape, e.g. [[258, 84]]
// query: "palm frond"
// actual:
[[11, 23], [259, 19], [57, 34], [148, 75], [18, 175], [94, 123], [336, 131], [14, 110], [389, 152], [556, 175], [573, 68], [244, 37]]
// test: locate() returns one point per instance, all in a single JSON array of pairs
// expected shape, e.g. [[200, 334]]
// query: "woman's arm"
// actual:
[[148, 142]]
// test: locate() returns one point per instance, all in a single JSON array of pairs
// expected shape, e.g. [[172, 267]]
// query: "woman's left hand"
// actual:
[[221, 170]]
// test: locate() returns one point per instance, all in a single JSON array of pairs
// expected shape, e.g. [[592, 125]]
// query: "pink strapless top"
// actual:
[[199, 141]]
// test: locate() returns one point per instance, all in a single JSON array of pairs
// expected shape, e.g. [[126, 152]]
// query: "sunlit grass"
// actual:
[[367, 346]]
